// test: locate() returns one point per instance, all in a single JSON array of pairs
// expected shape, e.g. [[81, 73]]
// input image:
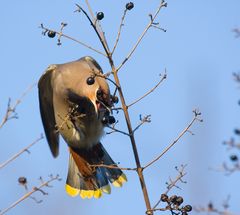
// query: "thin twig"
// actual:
[[195, 118], [119, 31], [213, 210], [116, 108], [116, 130], [75, 40], [227, 169], [10, 110], [26, 149], [150, 91], [27, 195], [162, 4], [181, 174], [144, 120], [162, 29]]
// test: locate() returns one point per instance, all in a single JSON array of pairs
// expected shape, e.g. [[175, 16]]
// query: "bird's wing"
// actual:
[[45, 92]]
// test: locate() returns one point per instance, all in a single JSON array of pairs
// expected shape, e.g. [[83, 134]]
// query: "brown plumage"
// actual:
[[73, 99]]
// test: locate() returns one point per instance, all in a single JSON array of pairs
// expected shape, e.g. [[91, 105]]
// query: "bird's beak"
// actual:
[[101, 106]]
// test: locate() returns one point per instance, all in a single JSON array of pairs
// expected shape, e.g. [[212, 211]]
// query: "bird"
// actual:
[[75, 102]]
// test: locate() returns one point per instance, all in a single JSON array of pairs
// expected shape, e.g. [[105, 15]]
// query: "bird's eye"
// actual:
[[90, 80]]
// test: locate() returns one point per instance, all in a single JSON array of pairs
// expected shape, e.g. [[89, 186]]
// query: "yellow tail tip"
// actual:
[[119, 182], [97, 194], [87, 194], [71, 191], [90, 194]]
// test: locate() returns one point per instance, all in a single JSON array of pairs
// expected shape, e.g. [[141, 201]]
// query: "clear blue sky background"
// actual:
[[200, 54]]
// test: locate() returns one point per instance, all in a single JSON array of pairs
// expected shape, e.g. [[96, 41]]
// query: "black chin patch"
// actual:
[[79, 104]]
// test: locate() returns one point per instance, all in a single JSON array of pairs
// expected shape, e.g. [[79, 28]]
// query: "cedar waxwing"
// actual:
[[74, 98]]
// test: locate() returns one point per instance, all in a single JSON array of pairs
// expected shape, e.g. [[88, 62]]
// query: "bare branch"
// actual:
[[150, 91], [162, 4], [102, 39], [119, 31], [26, 149], [27, 195], [12, 110], [73, 39], [97, 24], [195, 118]]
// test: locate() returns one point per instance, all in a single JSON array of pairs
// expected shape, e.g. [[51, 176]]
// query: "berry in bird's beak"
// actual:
[[114, 99], [108, 120], [111, 120]]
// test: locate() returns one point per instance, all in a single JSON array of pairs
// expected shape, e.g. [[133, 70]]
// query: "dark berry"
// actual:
[[111, 120], [234, 157], [51, 34], [99, 94], [164, 197], [105, 120], [22, 180], [100, 15], [115, 99], [90, 80], [107, 113], [179, 200], [210, 206], [173, 199], [237, 131], [187, 208], [129, 6]]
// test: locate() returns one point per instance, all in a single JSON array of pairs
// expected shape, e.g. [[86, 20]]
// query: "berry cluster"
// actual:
[[174, 204]]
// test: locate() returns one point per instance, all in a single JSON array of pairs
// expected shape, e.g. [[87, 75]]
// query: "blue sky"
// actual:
[[199, 52]]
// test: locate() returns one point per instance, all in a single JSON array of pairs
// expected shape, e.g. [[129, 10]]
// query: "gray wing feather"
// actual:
[[45, 92]]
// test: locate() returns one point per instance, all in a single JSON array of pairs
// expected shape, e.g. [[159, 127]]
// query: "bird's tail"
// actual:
[[88, 174]]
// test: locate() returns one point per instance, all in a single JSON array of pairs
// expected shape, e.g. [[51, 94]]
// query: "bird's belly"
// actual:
[[82, 136]]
